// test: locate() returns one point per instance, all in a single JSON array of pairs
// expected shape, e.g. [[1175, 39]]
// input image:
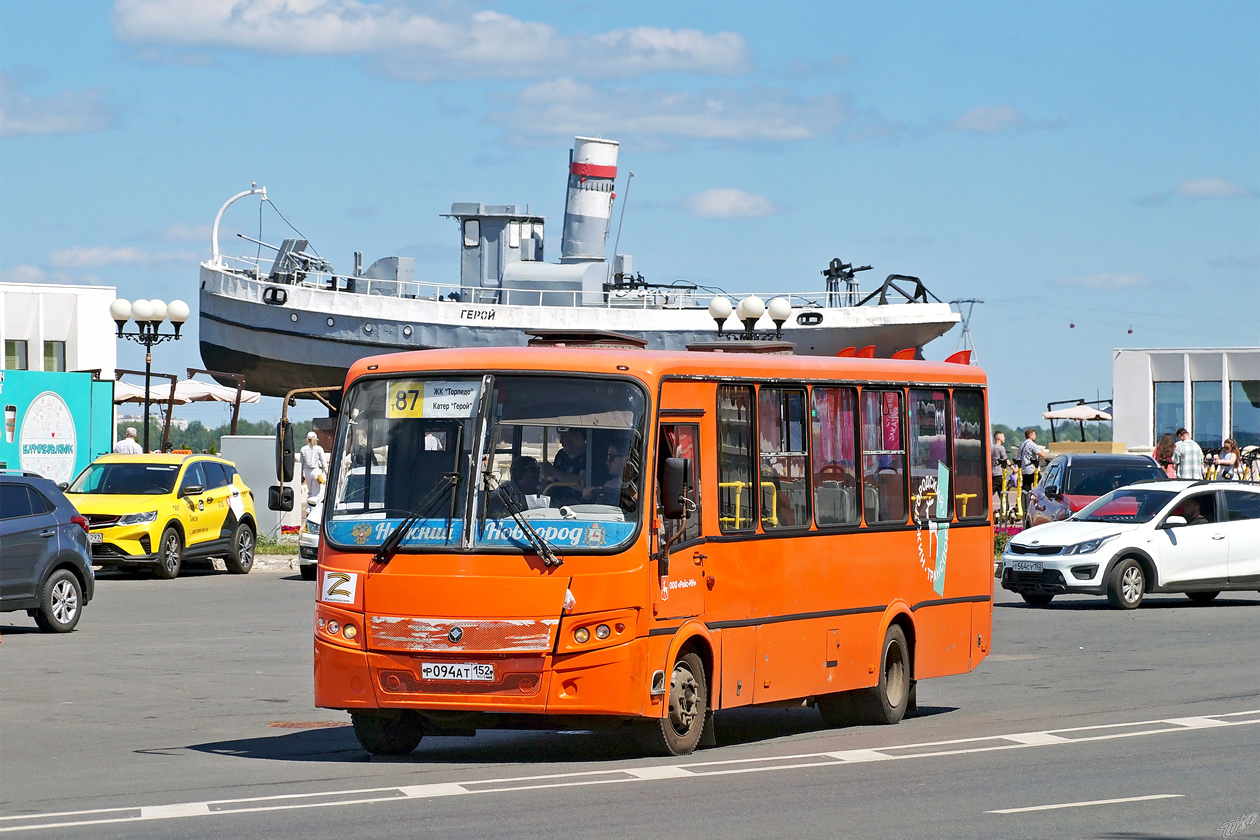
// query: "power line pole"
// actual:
[[965, 342]]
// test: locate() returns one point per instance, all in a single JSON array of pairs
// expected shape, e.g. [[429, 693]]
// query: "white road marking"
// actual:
[[1087, 804], [166, 812], [666, 771], [638, 774], [1195, 722], [858, 755], [1036, 739]]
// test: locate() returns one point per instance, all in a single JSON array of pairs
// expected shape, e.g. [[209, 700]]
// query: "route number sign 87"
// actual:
[[405, 399]]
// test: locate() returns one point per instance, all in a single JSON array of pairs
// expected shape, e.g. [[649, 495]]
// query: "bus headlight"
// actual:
[[602, 632], [581, 635]]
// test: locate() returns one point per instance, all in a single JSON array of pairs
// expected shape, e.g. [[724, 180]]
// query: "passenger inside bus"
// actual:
[[571, 459], [515, 492]]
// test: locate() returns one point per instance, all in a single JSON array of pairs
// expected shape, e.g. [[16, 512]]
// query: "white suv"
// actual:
[[308, 538], [1196, 537]]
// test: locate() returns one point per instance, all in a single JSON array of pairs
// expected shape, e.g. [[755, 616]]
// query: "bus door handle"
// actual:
[[698, 558]]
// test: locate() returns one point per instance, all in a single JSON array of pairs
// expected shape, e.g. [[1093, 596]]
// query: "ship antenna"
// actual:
[[965, 341], [620, 221]]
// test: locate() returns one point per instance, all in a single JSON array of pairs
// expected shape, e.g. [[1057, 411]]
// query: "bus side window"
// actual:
[[736, 501], [883, 458], [971, 488], [681, 440], [833, 456], [783, 480], [929, 450]]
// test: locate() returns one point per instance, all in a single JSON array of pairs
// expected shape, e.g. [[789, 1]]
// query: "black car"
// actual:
[[45, 564], [1070, 482]]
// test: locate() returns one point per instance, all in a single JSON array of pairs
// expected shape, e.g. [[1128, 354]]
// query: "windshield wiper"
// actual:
[[389, 547], [536, 540]]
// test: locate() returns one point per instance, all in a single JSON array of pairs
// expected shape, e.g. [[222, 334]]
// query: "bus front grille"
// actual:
[[445, 635]]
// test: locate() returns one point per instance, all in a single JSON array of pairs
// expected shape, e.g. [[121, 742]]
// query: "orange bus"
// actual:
[[552, 537]]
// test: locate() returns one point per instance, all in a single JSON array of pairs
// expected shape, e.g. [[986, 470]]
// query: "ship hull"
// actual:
[[314, 336]]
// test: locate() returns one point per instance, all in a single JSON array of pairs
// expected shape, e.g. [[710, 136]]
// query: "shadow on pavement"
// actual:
[[328, 741], [1170, 602]]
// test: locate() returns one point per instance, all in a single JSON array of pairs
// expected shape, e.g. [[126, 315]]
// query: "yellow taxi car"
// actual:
[[158, 510]]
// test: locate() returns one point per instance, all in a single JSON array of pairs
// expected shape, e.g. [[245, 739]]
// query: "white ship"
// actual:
[[292, 321]]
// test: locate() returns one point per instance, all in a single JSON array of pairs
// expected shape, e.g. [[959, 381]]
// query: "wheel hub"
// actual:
[[683, 699]]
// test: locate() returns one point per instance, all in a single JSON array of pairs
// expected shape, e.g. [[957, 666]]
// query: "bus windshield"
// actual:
[[563, 453]]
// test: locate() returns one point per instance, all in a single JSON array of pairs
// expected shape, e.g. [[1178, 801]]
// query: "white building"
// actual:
[[47, 326], [1212, 391]]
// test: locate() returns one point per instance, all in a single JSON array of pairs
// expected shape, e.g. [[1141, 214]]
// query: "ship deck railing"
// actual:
[[627, 298]]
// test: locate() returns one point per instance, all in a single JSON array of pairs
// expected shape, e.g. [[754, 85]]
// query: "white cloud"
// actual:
[[1105, 281], [67, 112], [1201, 189], [656, 118], [1211, 188], [987, 120], [729, 203], [79, 257], [184, 232], [411, 43], [23, 274], [993, 119]]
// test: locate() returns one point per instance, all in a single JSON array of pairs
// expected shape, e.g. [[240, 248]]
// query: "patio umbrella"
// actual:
[[1081, 413], [194, 390], [125, 392]]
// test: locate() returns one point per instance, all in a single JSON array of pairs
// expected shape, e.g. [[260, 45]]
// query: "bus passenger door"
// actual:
[[679, 586]]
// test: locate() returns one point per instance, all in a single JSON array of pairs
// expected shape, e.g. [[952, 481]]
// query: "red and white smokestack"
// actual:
[[588, 205]]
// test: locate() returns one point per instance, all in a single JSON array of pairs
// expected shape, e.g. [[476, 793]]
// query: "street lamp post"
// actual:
[[149, 315]]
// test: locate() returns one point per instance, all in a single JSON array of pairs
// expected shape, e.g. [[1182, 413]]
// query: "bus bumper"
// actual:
[[608, 681]]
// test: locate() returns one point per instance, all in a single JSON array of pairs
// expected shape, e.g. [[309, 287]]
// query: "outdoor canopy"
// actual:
[[1083, 413]]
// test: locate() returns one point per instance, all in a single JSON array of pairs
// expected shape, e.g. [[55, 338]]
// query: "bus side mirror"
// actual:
[[674, 484], [280, 498], [284, 453]]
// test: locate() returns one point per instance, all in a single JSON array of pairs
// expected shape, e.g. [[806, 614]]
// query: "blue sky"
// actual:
[[1095, 164]]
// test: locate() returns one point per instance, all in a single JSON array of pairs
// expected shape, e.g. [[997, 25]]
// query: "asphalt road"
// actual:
[[183, 709]]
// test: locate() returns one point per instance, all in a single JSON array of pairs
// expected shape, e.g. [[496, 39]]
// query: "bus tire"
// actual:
[[381, 733], [170, 555], [1126, 585], [887, 702], [679, 731], [240, 558]]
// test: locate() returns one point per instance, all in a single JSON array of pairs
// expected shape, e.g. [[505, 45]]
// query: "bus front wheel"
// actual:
[[678, 732], [385, 733]]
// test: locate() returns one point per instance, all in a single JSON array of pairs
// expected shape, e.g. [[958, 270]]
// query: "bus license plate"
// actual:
[[95, 538], [1027, 565], [471, 671]]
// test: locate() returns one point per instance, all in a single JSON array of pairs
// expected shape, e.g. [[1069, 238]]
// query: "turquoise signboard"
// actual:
[[55, 424]]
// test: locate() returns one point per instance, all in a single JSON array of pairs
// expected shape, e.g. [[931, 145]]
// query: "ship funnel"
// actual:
[[588, 205]]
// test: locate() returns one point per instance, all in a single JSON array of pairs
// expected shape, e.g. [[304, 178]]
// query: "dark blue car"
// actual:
[[45, 562]]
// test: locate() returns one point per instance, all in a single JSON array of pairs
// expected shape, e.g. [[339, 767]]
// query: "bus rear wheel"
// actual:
[[679, 731], [888, 701], [385, 733]]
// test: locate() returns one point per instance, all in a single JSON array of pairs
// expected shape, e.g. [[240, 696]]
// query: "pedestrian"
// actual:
[[1028, 454], [1188, 457], [127, 445], [314, 463], [1227, 461], [999, 462], [1163, 454]]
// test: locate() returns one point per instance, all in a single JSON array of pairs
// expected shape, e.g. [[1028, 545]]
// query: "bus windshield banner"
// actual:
[[560, 533], [372, 532]]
